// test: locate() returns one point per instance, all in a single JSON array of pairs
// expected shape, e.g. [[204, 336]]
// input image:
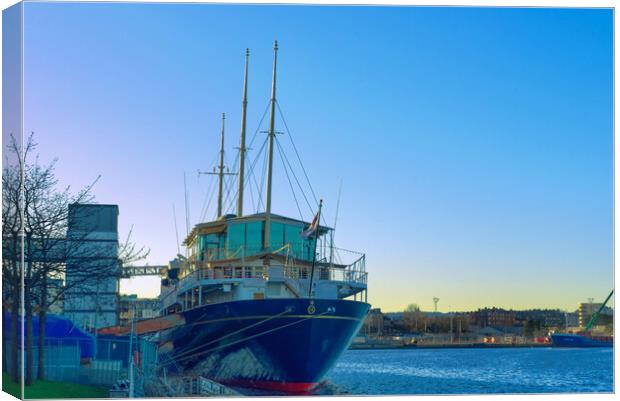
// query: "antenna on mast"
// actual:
[[271, 134], [331, 252], [186, 204], [220, 171], [176, 229], [242, 148]]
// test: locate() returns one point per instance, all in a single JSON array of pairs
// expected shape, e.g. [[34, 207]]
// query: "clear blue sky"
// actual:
[[474, 144]]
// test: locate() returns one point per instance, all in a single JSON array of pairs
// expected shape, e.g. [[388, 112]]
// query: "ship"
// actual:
[[259, 301], [581, 340], [585, 338]]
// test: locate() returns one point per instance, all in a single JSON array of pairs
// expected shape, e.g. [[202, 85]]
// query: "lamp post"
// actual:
[[451, 330]]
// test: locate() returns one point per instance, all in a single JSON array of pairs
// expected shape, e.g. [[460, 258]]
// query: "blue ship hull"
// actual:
[[282, 345], [578, 341]]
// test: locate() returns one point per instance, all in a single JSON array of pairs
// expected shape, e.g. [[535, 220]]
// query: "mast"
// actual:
[[242, 142], [271, 134], [186, 205], [221, 170], [316, 240], [331, 251]]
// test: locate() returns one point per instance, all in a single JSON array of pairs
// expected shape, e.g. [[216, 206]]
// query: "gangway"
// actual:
[[147, 270]]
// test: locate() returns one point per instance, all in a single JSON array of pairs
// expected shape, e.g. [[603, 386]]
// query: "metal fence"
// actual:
[[63, 361]]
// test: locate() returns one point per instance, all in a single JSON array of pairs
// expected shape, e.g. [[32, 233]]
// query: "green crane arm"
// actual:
[[595, 317]]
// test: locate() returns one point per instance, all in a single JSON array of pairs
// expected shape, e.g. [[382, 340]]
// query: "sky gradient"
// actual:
[[474, 144]]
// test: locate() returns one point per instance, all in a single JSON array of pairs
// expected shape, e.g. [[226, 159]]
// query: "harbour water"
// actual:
[[470, 371]]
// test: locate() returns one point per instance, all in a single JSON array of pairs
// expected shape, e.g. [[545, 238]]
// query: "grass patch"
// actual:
[[49, 389]]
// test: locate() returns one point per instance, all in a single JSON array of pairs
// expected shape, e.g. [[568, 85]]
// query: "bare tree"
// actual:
[[413, 317], [12, 181], [49, 249]]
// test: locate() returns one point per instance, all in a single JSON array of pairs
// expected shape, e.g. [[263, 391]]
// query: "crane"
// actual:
[[596, 315]]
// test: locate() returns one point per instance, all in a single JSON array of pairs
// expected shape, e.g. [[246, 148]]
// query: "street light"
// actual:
[[451, 330]]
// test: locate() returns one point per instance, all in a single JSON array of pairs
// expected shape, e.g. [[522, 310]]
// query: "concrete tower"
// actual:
[[92, 236]]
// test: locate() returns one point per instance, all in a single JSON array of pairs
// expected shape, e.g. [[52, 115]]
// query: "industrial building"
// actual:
[[587, 309], [494, 317], [131, 306], [54, 290], [92, 279]]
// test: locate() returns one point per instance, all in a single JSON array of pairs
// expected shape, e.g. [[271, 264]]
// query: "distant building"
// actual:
[[493, 317], [572, 319], [395, 316], [144, 308], [546, 317], [587, 309], [92, 300], [376, 323], [488, 331]]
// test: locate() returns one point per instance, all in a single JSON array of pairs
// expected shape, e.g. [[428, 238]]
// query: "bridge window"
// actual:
[[292, 236], [254, 237], [276, 236], [236, 237], [210, 246]]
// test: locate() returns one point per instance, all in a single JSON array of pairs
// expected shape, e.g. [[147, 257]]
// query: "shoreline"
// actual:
[[440, 346]]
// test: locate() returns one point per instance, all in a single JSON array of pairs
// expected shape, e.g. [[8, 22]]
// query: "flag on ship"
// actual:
[[313, 226]]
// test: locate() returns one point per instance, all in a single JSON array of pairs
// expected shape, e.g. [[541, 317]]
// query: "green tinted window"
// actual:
[[221, 242], [308, 248], [202, 245], [254, 237], [236, 237], [292, 235], [196, 249], [276, 236], [212, 240], [211, 245]]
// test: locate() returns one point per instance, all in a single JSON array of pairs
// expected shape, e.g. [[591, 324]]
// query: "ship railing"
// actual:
[[206, 272], [322, 272], [351, 259], [352, 274], [359, 265]]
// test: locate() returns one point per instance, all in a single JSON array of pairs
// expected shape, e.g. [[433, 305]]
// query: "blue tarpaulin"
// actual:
[[57, 329]]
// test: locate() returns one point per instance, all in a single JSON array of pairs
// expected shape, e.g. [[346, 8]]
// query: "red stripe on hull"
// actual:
[[284, 387]]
